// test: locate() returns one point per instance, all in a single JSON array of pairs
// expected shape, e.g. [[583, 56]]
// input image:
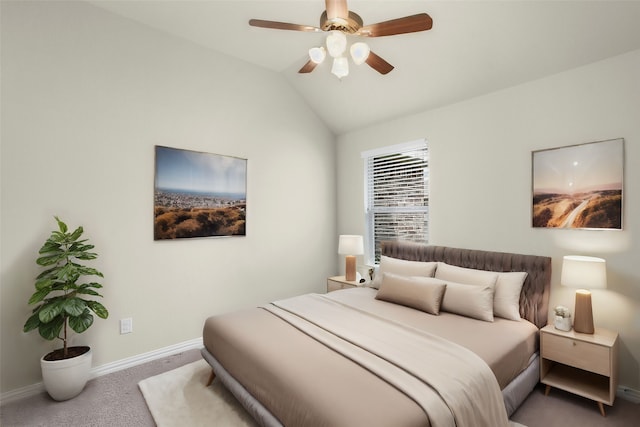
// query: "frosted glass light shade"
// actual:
[[317, 54], [359, 52], [336, 43], [584, 272], [340, 67]]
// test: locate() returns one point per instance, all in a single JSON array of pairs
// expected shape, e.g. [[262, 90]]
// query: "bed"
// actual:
[[371, 356]]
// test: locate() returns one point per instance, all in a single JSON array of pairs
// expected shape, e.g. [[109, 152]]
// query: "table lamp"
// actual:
[[586, 273], [350, 246]]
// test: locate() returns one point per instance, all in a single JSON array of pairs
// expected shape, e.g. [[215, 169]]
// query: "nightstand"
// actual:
[[338, 282], [583, 364]]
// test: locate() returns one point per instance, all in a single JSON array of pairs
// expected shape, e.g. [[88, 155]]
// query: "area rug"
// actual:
[[180, 398]]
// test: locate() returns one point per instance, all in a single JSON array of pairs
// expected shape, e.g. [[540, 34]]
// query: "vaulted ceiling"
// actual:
[[475, 47]]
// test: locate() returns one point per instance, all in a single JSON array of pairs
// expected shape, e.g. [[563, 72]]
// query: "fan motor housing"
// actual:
[[349, 25]]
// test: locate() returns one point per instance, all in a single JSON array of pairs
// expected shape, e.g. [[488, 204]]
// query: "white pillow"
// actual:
[[421, 293], [474, 301], [402, 267], [506, 300], [469, 276]]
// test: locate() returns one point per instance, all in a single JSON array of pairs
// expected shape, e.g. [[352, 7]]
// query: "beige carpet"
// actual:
[[180, 398]]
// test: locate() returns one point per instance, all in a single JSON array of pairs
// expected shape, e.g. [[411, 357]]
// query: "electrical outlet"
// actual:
[[126, 326]]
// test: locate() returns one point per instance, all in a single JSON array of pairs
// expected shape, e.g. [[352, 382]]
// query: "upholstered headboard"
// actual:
[[534, 298]]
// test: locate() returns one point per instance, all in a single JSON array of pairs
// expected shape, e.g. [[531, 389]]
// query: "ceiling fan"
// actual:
[[339, 21]]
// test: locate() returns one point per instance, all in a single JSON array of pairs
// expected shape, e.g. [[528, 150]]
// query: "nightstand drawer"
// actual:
[[583, 355], [338, 282]]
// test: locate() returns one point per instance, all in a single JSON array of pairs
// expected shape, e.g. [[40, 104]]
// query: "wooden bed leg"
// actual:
[[601, 407], [212, 376], [547, 390]]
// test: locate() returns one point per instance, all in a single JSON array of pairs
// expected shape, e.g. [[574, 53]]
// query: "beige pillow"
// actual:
[[474, 301], [468, 276], [506, 300], [421, 293], [402, 267]]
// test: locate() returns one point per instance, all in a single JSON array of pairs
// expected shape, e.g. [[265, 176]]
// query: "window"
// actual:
[[396, 195]]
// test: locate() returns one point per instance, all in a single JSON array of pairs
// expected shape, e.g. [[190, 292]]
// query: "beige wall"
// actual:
[[481, 179], [85, 97]]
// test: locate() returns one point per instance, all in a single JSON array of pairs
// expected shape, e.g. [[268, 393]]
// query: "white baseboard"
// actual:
[[627, 393], [118, 365]]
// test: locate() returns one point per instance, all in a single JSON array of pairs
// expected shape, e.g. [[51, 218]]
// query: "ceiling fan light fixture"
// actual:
[[359, 52], [340, 67], [336, 43], [317, 54]]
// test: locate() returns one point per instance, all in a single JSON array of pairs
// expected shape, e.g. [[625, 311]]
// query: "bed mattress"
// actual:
[[303, 382]]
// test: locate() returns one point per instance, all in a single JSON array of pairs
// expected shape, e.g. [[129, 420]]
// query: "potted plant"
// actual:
[[60, 304], [562, 320]]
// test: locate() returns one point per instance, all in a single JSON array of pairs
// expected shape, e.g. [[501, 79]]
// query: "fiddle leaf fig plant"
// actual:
[[62, 290]]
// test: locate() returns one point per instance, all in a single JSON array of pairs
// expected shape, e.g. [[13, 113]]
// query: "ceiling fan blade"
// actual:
[[408, 24], [378, 64], [281, 25], [337, 9], [308, 67]]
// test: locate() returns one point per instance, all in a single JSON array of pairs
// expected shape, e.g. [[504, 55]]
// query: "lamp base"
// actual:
[[350, 268], [583, 321]]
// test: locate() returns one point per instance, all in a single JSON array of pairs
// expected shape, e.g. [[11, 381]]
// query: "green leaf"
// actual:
[[44, 283], [76, 234], [86, 291], [99, 309], [58, 237], [50, 246], [74, 306], [81, 323], [85, 255], [50, 259], [61, 225], [51, 310], [51, 330], [48, 273], [39, 295], [32, 322], [86, 271], [80, 246]]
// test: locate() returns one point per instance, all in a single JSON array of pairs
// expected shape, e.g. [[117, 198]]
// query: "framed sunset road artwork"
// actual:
[[579, 186], [198, 194]]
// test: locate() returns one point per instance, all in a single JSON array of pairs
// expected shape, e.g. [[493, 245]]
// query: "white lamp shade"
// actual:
[[349, 244], [340, 67], [359, 52], [317, 54], [584, 272], [336, 43]]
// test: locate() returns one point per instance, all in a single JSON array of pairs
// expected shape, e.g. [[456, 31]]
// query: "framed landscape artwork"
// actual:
[[198, 194], [579, 186]]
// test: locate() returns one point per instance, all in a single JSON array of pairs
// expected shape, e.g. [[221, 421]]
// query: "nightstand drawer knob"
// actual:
[[574, 343]]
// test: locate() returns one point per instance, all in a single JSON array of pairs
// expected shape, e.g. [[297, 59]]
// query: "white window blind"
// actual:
[[396, 195]]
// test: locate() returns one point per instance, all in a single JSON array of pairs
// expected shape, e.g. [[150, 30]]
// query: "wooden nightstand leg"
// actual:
[[211, 378], [601, 407], [547, 390]]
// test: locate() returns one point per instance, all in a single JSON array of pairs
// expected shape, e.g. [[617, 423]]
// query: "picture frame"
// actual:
[[198, 194], [579, 186]]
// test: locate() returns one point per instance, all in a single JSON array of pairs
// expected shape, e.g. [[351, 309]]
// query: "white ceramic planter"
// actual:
[[562, 323], [65, 379]]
